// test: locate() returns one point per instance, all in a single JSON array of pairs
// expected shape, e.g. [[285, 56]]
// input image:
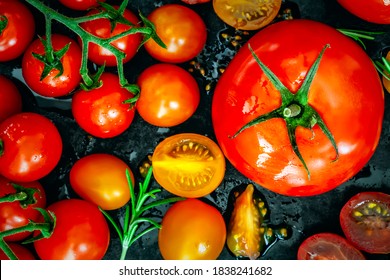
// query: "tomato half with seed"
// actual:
[[18, 213], [21, 252], [192, 230], [169, 95], [81, 232], [188, 165], [247, 15], [375, 11], [81, 5], [101, 179], [328, 246], [30, 147], [306, 116], [181, 29], [17, 29], [10, 98], [365, 221], [102, 112]]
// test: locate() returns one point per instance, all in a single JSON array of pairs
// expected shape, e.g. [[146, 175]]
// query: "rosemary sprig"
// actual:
[[383, 67], [358, 35]]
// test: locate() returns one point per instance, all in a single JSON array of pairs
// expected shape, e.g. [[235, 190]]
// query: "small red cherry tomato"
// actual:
[[21, 252], [81, 5], [10, 98]]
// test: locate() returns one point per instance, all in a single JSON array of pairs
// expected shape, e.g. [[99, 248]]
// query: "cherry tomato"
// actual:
[[181, 29], [188, 165], [299, 144], [328, 246], [10, 99], [192, 230], [18, 213], [169, 95], [81, 232], [386, 81], [375, 11], [17, 29], [247, 15], [191, 2], [365, 221], [81, 5], [102, 111], [53, 85], [101, 179], [30, 145], [102, 28], [21, 252]]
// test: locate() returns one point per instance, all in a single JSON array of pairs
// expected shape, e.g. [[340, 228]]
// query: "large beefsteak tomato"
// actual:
[[299, 109]]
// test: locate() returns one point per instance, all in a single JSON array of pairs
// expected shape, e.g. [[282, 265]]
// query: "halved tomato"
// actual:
[[188, 165]]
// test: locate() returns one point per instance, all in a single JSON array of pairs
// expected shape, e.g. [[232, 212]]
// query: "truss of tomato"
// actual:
[[103, 111], [192, 230], [107, 28], [181, 29], [188, 165], [18, 212], [169, 95], [10, 98], [17, 29], [52, 77], [328, 246], [365, 221], [375, 11], [80, 5], [30, 147], [21, 252], [81, 232], [101, 179], [299, 117]]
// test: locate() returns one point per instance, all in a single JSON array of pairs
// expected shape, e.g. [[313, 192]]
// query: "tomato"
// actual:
[[81, 5], [52, 85], [102, 111], [18, 213], [192, 230], [169, 95], [81, 232], [195, 1], [365, 221], [102, 28], [10, 98], [17, 29], [299, 144], [375, 11], [386, 81], [181, 29], [21, 252], [30, 147], [328, 246], [247, 15], [101, 179], [188, 165]]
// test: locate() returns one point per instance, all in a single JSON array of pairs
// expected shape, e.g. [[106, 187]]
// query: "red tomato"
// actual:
[[192, 230], [195, 1], [18, 30], [102, 111], [375, 11], [18, 213], [30, 147], [81, 232], [101, 179], [365, 220], [328, 246], [181, 29], [10, 98], [169, 95], [345, 99], [51, 85], [21, 252], [102, 28], [80, 5]]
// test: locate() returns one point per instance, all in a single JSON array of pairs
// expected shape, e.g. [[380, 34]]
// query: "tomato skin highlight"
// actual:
[[18, 33], [169, 95], [375, 11], [32, 147], [10, 98], [80, 5], [346, 92], [81, 232], [192, 230]]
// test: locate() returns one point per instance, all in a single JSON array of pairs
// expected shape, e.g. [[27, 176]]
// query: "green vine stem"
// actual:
[[358, 35], [134, 213], [383, 67], [148, 31], [3, 23]]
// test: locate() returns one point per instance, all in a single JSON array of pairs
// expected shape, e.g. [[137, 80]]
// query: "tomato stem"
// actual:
[[3, 23], [1, 147], [383, 67]]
